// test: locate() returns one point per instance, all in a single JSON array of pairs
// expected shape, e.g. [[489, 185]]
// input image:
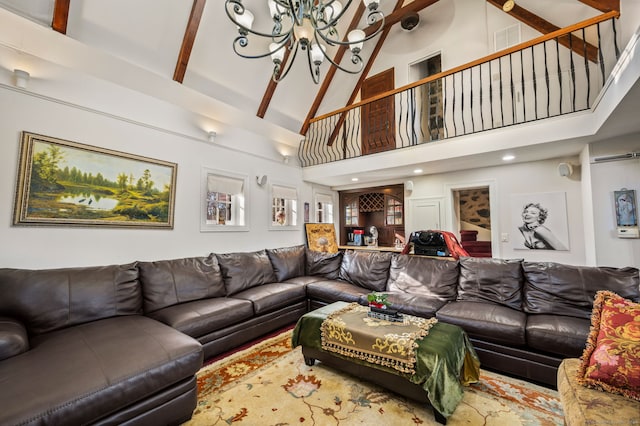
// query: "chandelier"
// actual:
[[307, 25]]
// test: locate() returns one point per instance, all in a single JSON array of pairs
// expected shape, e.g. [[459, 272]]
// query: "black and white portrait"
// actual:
[[540, 221]]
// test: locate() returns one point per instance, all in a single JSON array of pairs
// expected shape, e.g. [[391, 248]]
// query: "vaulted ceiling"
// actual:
[[190, 42]]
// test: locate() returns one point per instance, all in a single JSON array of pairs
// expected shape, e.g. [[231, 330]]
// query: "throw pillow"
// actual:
[[486, 279], [324, 264], [244, 270], [287, 262], [367, 269], [611, 360]]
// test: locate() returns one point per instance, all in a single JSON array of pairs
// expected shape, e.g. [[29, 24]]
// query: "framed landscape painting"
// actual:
[[71, 184]]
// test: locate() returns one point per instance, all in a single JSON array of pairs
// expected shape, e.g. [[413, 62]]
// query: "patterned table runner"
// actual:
[[350, 332]]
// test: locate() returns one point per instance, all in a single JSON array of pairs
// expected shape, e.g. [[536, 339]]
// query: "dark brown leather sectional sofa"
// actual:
[[121, 344]]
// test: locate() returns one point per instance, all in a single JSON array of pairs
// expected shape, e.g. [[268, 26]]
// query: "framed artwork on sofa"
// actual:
[[71, 184], [321, 237]]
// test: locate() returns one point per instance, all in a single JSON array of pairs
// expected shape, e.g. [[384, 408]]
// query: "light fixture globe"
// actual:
[[309, 25]]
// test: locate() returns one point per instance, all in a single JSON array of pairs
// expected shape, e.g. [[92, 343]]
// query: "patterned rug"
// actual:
[[269, 384]]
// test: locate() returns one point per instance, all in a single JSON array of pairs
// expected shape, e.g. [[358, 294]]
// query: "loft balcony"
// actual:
[[559, 74]]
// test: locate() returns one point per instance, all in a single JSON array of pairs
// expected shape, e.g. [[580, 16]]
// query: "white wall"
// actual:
[[607, 177], [521, 178], [44, 247]]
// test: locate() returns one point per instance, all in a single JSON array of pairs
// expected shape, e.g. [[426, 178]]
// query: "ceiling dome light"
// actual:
[[508, 5]]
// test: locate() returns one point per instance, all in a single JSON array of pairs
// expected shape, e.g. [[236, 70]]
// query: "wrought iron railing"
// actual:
[[558, 73]]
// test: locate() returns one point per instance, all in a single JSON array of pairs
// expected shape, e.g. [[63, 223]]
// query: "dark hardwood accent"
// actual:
[[521, 46], [188, 40], [390, 20], [60, 16], [379, 117], [603, 5], [372, 203], [545, 27]]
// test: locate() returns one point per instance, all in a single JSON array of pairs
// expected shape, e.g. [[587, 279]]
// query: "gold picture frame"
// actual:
[[67, 183], [321, 237]]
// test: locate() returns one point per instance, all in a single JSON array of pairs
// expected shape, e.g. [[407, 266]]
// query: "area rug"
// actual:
[[269, 384]]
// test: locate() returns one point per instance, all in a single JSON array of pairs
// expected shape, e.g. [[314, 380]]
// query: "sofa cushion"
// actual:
[[82, 374], [487, 321], [611, 360], [367, 269], [420, 275], [201, 317], [13, 338], [553, 288], [335, 290], [491, 280], [270, 297], [558, 334], [168, 282], [326, 265], [245, 270], [287, 262], [50, 299]]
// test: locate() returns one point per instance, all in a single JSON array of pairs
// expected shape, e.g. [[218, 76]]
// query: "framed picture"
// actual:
[[539, 221], [71, 184], [625, 203], [321, 237]]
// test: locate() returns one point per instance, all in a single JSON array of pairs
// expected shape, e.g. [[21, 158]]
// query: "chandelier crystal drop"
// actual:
[[307, 25]]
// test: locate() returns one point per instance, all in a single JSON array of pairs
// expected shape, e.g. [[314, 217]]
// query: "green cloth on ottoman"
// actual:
[[446, 359]]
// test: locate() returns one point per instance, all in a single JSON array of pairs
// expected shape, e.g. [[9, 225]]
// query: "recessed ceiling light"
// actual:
[[416, 171], [354, 179], [508, 157]]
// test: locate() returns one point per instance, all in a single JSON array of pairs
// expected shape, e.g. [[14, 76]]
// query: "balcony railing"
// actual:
[[556, 74]]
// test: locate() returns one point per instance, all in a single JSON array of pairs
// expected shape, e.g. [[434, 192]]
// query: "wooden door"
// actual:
[[378, 118]]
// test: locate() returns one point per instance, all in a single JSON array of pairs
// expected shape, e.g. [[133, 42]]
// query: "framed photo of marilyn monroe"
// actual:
[[539, 221]]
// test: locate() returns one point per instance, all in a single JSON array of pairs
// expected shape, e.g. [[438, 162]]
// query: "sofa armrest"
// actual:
[[13, 338]]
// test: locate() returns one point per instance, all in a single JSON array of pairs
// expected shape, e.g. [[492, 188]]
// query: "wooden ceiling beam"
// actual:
[[188, 40], [545, 27], [603, 5], [331, 72], [60, 16], [271, 87], [393, 18]]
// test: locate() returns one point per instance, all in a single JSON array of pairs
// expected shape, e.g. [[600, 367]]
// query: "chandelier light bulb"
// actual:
[[317, 54], [333, 11], [356, 38], [245, 20], [276, 55]]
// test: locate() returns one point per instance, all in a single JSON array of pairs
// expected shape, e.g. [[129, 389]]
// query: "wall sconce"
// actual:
[[212, 137], [21, 78], [261, 180], [285, 159]]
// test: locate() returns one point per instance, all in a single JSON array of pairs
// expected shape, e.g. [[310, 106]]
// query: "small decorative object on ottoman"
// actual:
[[605, 382], [380, 308]]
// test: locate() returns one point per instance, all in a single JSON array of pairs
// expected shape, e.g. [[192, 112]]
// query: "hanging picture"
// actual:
[[539, 221], [321, 237], [625, 202], [68, 183]]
